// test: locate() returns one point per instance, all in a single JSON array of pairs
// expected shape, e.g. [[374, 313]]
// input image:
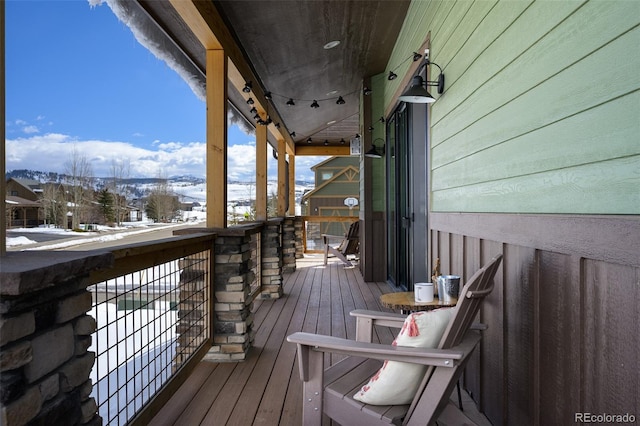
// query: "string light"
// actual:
[[339, 100], [392, 75]]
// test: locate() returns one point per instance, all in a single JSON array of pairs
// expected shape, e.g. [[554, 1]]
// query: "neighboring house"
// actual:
[[23, 208], [336, 179], [28, 189], [337, 187]]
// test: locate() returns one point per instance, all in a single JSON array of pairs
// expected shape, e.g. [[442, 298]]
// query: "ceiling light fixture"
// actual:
[[340, 101], [342, 141], [315, 104], [250, 101], [417, 92], [326, 142], [373, 152], [290, 102], [416, 56], [367, 91], [267, 96], [309, 140], [247, 87], [253, 110], [331, 44], [392, 76]]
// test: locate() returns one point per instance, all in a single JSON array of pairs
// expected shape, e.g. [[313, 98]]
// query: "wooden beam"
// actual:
[[3, 182], [223, 35], [292, 186], [261, 173], [216, 139], [194, 20], [322, 150], [282, 178]]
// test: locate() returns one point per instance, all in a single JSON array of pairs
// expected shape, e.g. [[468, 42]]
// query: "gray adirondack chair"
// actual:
[[329, 390], [350, 244]]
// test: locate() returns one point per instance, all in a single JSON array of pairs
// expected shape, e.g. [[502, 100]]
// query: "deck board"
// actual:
[[265, 389]]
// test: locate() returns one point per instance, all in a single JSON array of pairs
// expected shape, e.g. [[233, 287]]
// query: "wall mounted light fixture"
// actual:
[[373, 152], [417, 92]]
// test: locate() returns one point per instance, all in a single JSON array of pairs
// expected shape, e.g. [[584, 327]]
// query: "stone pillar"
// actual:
[[288, 245], [271, 259], [233, 276], [298, 224], [45, 334]]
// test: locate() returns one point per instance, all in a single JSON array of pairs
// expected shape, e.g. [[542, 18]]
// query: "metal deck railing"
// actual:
[[153, 314]]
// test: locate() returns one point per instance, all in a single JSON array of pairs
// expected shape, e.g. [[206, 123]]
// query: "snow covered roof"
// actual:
[[14, 201]]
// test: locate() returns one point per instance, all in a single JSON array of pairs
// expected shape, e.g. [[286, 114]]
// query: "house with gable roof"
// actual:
[[336, 193], [22, 202]]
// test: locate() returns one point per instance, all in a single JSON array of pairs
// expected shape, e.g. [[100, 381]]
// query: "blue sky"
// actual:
[[76, 77]]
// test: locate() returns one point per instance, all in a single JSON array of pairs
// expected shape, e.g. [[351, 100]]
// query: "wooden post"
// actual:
[[292, 185], [282, 177], [261, 172], [3, 182], [216, 139]]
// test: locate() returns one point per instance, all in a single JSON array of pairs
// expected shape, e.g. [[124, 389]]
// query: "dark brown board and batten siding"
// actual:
[[564, 334]]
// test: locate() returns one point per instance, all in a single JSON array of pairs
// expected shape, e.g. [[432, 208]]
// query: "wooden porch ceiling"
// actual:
[[278, 46]]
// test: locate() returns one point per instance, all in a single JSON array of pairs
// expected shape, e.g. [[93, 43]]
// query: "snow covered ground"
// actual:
[[102, 233], [134, 355]]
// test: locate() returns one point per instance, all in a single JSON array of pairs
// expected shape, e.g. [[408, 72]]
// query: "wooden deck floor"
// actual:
[[266, 389]]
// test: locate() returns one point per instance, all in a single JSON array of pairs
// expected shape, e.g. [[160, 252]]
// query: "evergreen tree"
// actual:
[[105, 200]]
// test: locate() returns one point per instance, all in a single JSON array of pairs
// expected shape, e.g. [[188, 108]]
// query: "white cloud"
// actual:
[[30, 129], [50, 152]]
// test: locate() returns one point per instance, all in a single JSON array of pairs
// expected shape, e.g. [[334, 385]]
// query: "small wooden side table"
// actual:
[[405, 301]]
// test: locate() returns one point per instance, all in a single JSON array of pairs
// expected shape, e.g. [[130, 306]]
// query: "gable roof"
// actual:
[[328, 182], [30, 184], [330, 160]]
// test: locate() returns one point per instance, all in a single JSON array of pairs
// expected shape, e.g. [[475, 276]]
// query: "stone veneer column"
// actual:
[[298, 224], [289, 244], [233, 276], [271, 240], [45, 334]]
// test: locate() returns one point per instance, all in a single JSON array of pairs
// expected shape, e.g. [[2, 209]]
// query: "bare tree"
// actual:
[[162, 204], [79, 171], [54, 203], [120, 170]]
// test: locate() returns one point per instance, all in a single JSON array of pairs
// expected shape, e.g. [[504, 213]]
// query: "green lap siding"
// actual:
[[541, 110]]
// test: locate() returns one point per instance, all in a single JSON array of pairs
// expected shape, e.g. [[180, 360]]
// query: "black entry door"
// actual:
[[399, 200], [407, 160]]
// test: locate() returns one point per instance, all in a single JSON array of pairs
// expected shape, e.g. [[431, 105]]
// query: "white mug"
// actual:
[[423, 292]]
